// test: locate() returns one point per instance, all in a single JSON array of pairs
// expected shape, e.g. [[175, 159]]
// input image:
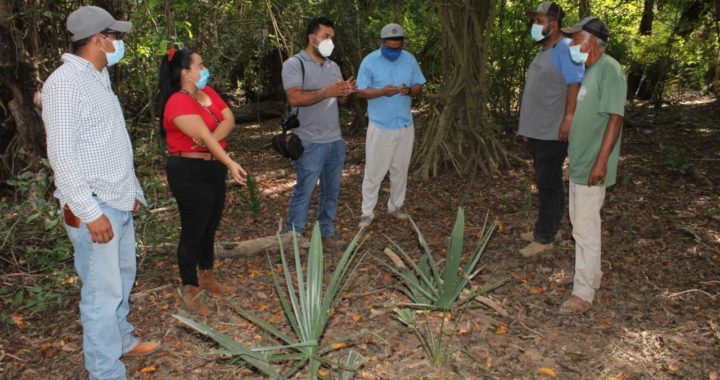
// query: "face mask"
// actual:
[[204, 76], [326, 47], [117, 55], [536, 32], [391, 54], [576, 55]]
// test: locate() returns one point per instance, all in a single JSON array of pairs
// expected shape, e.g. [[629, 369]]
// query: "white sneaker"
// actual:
[[365, 221]]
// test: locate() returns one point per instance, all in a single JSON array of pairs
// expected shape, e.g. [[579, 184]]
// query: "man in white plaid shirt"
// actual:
[[91, 155]]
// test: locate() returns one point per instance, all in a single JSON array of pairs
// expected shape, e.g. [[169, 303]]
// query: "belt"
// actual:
[[207, 156]]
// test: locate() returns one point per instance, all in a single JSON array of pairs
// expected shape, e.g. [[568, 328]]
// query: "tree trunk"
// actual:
[[20, 88], [647, 18], [584, 9], [458, 132]]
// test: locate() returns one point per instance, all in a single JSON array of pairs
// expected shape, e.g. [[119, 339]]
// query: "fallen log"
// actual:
[[262, 177], [247, 248], [258, 246]]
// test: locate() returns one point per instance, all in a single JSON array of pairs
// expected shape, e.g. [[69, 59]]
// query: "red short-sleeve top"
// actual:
[[180, 104]]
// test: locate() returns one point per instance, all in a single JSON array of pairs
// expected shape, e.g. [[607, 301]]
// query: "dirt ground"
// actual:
[[656, 316]]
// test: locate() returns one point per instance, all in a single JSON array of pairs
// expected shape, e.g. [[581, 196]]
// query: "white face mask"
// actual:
[[326, 47]]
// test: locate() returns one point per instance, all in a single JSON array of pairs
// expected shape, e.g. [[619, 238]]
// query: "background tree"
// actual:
[[21, 132], [459, 132]]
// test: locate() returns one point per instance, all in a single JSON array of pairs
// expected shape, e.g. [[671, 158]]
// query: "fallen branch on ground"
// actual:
[[140, 296], [257, 246], [493, 305]]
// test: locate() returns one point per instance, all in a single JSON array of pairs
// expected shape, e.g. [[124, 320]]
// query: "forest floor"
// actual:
[[656, 315]]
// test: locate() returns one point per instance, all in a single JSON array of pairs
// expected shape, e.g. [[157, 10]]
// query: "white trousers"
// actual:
[[386, 150], [585, 205]]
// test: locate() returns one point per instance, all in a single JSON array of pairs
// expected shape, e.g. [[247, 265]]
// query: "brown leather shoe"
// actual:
[[193, 300], [143, 348], [207, 282]]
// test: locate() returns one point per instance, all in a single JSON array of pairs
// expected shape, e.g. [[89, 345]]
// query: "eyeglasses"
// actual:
[[116, 35]]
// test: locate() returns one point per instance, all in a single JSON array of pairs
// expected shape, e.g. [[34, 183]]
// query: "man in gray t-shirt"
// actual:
[[546, 112], [313, 83]]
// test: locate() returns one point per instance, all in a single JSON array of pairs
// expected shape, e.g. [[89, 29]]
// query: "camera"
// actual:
[[290, 121]]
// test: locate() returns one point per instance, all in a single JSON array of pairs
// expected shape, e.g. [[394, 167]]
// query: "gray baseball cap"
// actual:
[[392, 31], [548, 8], [88, 20], [592, 25]]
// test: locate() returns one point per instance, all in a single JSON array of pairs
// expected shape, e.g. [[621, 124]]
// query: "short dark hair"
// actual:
[[315, 23], [79, 44]]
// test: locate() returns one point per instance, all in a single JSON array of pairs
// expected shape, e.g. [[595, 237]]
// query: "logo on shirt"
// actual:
[[581, 94]]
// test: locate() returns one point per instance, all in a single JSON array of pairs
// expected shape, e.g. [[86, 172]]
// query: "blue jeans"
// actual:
[[319, 161], [107, 272]]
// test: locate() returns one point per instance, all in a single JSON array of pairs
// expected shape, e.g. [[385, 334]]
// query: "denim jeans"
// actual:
[[199, 189], [107, 272], [319, 161], [548, 158]]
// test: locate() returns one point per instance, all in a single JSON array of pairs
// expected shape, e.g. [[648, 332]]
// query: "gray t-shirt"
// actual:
[[320, 122], [543, 101]]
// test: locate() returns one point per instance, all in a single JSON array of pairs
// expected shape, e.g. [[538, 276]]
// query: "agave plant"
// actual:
[[435, 345], [307, 308], [431, 288]]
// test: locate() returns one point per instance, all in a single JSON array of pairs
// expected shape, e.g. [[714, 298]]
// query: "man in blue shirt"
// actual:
[[546, 113], [388, 78]]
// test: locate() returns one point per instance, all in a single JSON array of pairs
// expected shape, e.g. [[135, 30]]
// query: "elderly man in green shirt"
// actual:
[[594, 147]]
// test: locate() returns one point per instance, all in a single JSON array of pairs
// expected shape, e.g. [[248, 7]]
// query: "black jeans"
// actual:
[[199, 189], [548, 157]]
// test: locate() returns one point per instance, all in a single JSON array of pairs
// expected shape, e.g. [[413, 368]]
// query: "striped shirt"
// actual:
[[87, 141]]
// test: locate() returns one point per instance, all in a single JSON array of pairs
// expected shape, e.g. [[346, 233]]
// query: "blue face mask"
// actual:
[[391, 54], [536, 32], [204, 76], [576, 55], [115, 57]]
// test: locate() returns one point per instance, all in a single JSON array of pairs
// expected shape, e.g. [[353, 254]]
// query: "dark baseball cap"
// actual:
[[547, 8], [88, 20], [592, 25]]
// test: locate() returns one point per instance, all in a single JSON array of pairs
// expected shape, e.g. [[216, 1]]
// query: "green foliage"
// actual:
[[252, 200], [429, 287], [32, 234], [435, 345], [33, 239], [307, 309]]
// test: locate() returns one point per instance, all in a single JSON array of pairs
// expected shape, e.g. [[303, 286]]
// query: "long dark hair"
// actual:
[[172, 63]]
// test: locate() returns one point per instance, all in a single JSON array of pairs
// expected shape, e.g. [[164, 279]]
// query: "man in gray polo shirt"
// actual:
[[546, 113], [313, 83]]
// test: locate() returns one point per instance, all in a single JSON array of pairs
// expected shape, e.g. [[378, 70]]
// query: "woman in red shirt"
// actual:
[[195, 121]]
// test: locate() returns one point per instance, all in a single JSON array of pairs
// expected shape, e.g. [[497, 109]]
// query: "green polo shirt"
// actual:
[[602, 93]]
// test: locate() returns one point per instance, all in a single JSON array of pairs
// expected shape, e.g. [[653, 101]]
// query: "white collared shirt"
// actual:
[[87, 140]]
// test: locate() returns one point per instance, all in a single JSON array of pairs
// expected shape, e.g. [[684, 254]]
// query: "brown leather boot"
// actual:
[[207, 282], [193, 300]]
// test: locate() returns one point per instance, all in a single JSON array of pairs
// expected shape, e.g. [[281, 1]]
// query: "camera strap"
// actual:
[[302, 87]]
